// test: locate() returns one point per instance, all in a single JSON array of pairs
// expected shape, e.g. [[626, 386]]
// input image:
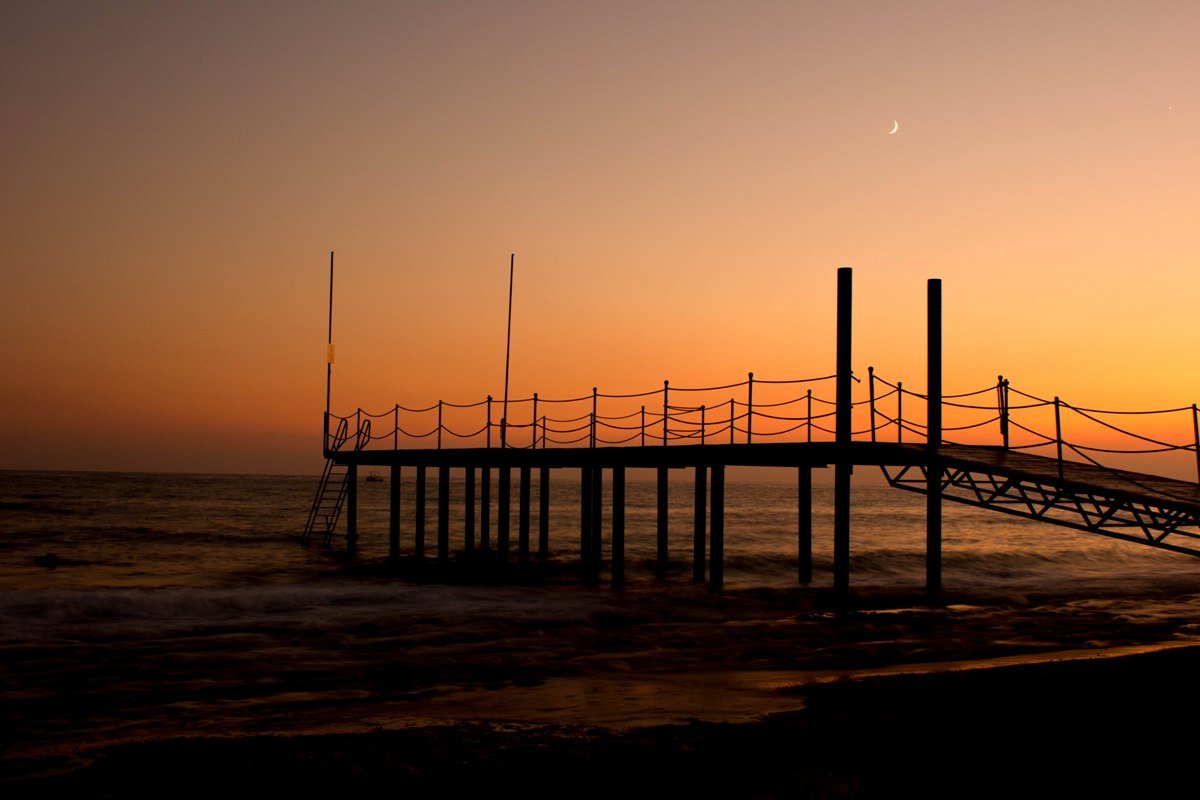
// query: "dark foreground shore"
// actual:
[[1100, 726]]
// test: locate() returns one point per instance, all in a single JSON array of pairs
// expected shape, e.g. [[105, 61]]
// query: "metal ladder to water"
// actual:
[[330, 497]]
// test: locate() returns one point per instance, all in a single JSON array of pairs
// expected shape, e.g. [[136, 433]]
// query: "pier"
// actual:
[[1018, 461]]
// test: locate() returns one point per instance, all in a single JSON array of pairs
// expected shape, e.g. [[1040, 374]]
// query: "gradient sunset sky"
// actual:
[[679, 182]]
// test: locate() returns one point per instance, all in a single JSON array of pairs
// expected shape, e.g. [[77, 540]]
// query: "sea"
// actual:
[[144, 606]]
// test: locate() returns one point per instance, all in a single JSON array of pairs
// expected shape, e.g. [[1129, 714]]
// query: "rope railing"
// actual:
[[741, 417]]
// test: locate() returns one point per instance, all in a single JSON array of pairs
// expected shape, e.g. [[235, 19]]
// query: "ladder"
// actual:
[[330, 496]]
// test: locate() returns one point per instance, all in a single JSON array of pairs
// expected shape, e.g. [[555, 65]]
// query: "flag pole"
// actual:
[[507, 351]]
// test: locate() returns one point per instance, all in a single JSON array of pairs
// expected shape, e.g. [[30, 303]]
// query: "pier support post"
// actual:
[[933, 473], [661, 561], [443, 540], [843, 466], [618, 527], [701, 498], [597, 518], [419, 515], [351, 507], [485, 509], [469, 510], [804, 526], [716, 569], [394, 513], [503, 512], [544, 513], [523, 517], [585, 515]]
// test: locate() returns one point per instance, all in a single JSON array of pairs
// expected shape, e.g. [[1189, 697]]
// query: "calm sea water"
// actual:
[[136, 606]]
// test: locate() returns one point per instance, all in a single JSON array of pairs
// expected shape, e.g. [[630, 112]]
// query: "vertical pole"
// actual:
[[666, 389], [419, 515], [485, 508], [843, 467], [871, 385], [1196, 434], [933, 475], [701, 501], [352, 507], [507, 350], [489, 422], [618, 527], [503, 511], [716, 570], [732, 421], [469, 510], [394, 513], [443, 530], [1002, 408], [585, 523], [533, 427], [523, 516], [439, 429], [643, 426], [329, 341], [396, 427], [808, 425], [597, 517], [661, 562], [899, 412], [804, 526], [1058, 437], [544, 513], [702, 424], [592, 442], [749, 407]]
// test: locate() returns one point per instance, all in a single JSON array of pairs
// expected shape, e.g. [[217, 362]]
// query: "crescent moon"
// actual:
[[895, 127]]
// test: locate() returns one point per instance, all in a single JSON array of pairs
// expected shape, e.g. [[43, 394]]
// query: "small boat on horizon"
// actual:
[[374, 476]]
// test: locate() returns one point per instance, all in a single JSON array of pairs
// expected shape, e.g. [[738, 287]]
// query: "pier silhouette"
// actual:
[[1006, 453]]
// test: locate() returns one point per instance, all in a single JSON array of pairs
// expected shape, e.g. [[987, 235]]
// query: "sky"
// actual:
[[679, 182]]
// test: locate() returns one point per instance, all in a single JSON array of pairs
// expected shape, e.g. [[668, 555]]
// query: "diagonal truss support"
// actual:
[[1141, 521]]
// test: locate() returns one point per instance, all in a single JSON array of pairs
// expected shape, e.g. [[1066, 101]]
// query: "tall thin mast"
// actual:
[[329, 341], [507, 351]]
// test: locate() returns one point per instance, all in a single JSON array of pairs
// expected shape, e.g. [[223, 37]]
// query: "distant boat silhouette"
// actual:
[[374, 476]]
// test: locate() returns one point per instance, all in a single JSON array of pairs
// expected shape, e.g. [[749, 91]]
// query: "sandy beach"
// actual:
[[1061, 727]]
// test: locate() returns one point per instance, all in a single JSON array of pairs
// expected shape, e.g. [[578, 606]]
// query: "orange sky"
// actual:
[[679, 182]]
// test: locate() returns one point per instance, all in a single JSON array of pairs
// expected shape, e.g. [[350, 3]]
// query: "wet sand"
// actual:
[[1072, 727]]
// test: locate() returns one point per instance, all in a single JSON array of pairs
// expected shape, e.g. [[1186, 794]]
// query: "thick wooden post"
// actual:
[[661, 561], [597, 517], [503, 512], [933, 473], [394, 513], [485, 509], [843, 467], [716, 569], [469, 510], [544, 513], [585, 515], [443, 532], [419, 515], [701, 501], [352, 507], [618, 527], [523, 517], [804, 526]]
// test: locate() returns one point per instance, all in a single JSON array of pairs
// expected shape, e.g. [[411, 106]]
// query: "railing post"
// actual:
[[871, 389], [1196, 434], [533, 427], [439, 433], [643, 426], [934, 470], [358, 429], [666, 390], [808, 423], [701, 424], [1058, 439], [899, 412], [395, 427], [593, 429], [843, 465], [489, 421], [749, 406], [1002, 403]]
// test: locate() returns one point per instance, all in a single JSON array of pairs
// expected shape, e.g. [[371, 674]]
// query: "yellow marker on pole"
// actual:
[[329, 356]]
